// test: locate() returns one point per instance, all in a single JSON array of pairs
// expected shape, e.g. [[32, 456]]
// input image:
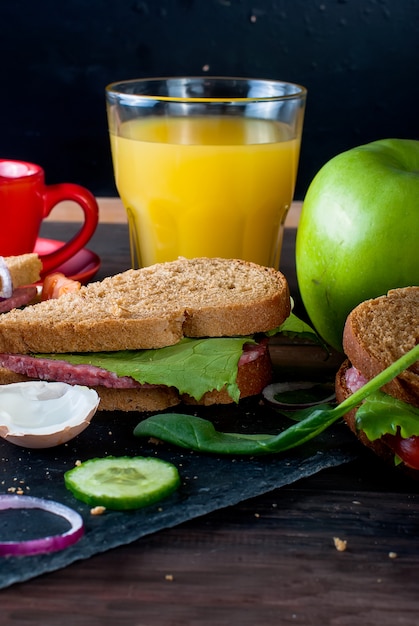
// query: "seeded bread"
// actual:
[[24, 269], [379, 331], [153, 307]]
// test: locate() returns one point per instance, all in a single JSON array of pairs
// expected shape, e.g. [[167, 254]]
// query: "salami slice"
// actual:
[[20, 297], [62, 371]]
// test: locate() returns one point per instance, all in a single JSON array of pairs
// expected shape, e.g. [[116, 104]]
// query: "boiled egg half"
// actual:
[[41, 414]]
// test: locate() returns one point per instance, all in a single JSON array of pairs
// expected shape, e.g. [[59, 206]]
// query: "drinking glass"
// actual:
[[205, 166]]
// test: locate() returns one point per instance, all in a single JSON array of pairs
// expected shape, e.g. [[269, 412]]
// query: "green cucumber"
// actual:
[[122, 483]]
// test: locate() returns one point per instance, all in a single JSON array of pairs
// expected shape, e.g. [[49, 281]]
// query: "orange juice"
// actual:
[[205, 186]]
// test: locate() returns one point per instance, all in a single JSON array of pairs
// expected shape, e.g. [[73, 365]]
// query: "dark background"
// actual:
[[358, 59]]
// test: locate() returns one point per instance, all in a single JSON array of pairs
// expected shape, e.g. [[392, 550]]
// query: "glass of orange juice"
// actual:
[[205, 166]]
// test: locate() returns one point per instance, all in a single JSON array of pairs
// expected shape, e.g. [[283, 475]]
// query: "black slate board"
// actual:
[[208, 482]]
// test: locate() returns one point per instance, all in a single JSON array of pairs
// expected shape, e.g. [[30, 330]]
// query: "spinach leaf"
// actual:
[[198, 434], [295, 327]]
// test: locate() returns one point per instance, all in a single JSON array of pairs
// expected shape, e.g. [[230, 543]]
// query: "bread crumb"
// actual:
[[97, 510], [154, 441], [77, 463], [392, 555], [169, 577], [340, 544]]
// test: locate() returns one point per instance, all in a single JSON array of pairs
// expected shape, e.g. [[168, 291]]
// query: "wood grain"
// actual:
[[271, 560]]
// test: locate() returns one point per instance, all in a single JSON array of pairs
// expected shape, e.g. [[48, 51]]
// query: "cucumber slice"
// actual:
[[122, 483]]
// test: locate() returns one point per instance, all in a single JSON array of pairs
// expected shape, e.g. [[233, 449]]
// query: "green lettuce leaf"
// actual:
[[295, 327], [193, 366], [381, 414]]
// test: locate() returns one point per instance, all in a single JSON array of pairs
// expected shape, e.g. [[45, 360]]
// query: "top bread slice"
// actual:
[[24, 269], [153, 307], [379, 331]]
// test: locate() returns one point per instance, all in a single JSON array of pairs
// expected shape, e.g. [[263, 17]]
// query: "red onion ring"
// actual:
[[45, 544], [6, 280]]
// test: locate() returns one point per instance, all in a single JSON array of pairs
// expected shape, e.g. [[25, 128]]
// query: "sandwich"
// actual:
[[376, 333], [190, 330], [18, 275]]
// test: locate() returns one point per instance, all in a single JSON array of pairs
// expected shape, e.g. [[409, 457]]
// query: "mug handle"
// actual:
[[53, 194]]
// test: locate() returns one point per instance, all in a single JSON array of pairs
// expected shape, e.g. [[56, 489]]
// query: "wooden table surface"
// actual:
[[271, 560]]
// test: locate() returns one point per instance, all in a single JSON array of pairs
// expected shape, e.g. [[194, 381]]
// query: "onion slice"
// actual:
[[299, 394], [6, 285], [44, 544]]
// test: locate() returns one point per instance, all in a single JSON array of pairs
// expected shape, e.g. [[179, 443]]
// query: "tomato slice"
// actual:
[[406, 449], [56, 284]]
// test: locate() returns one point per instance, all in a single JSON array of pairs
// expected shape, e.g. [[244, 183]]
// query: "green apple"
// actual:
[[358, 235]]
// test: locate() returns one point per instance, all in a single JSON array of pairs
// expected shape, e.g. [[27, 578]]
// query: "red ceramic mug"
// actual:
[[25, 200]]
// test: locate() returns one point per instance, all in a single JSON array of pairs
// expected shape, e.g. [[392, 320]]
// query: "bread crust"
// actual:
[[145, 400], [379, 331], [153, 307]]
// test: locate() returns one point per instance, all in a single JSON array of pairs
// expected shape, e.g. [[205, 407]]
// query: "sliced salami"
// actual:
[[62, 371], [20, 297], [354, 379]]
